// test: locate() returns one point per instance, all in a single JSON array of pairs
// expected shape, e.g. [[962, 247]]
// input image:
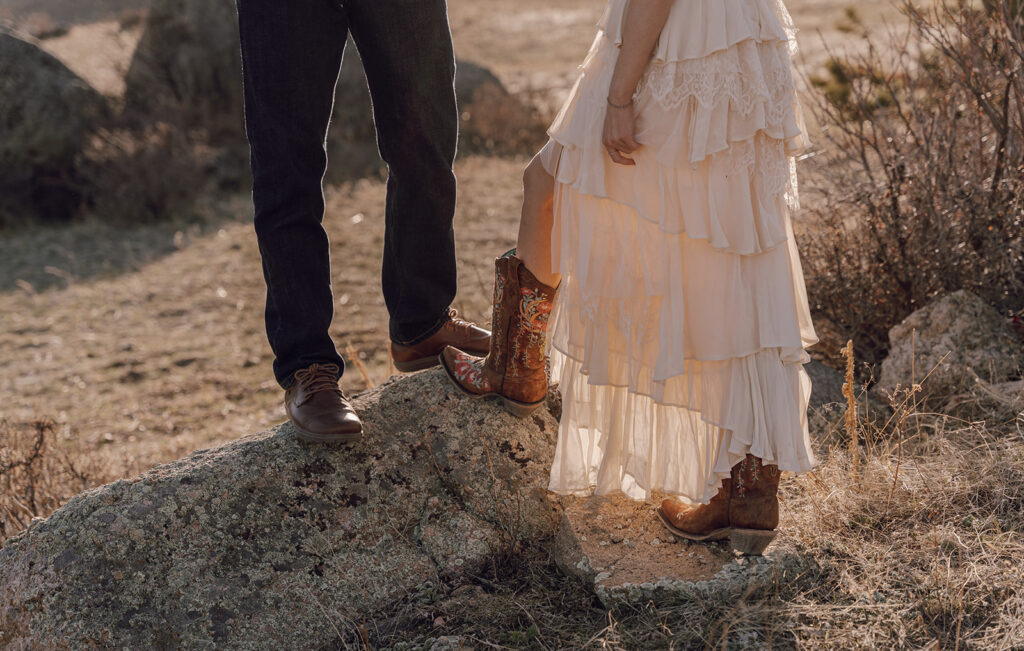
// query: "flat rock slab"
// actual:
[[618, 547]]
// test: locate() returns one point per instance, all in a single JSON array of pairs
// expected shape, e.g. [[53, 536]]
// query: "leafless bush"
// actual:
[[36, 477], [923, 188], [139, 176]]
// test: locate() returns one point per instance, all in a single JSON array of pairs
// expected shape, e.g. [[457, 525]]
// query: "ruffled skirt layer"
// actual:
[[679, 330]]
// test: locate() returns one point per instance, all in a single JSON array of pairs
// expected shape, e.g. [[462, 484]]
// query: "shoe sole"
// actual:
[[749, 542], [417, 364], [328, 439], [717, 534], [514, 407]]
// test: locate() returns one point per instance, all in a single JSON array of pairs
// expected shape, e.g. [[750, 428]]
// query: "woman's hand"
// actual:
[[619, 124], [641, 28]]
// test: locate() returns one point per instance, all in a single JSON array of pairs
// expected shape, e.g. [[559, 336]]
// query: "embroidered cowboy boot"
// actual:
[[515, 368]]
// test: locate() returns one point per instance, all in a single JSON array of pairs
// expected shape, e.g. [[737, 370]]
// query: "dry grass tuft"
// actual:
[[36, 477], [849, 392]]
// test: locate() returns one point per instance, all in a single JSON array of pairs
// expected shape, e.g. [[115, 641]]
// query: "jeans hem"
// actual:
[[288, 380], [430, 332]]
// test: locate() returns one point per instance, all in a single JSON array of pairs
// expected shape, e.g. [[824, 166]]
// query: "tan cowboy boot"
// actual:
[[745, 510], [514, 369]]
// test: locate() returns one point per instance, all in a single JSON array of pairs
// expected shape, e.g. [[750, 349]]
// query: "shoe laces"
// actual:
[[458, 322], [318, 378]]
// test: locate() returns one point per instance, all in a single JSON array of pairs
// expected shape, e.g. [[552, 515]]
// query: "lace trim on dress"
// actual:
[[747, 75]]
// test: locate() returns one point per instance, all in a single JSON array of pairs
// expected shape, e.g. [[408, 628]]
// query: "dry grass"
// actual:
[[916, 545], [36, 477], [149, 341]]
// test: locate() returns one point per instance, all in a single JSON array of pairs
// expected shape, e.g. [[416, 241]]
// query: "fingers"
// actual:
[[626, 145], [619, 158]]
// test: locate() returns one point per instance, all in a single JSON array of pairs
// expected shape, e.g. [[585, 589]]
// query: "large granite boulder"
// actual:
[[187, 68], [961, 337], [47, 116], [270, 543]]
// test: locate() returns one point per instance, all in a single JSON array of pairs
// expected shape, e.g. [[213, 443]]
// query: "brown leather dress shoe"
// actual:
[[318, 408], [455, 332]]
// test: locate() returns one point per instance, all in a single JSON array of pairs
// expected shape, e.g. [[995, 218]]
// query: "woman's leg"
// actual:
[[534, 246], [524, 291]]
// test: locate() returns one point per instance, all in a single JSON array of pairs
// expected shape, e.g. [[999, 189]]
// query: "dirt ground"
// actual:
[[148, 342]]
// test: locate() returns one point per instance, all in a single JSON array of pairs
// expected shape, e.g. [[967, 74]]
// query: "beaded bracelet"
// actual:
[[618, 106]]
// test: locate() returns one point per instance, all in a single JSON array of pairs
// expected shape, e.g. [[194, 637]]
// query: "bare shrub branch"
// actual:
[[922, 191]]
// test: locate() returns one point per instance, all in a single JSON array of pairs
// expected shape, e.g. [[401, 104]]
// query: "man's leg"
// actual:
[[407, 53], [291, 54]]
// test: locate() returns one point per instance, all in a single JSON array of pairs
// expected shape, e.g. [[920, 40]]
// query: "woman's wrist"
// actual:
[[624, 105], [620, 93]]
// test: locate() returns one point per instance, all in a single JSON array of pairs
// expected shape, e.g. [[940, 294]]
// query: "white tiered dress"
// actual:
[[679, 329]]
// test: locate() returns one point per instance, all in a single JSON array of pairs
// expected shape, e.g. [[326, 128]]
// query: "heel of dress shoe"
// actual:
[[751, 542], [416, 364], [521, 409]]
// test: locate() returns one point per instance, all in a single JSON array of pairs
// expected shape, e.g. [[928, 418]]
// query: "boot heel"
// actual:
[[751, 542], [521, 409]]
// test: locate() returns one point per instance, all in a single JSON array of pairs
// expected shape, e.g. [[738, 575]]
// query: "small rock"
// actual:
[[448, 643], [656, 541], [961, 337]]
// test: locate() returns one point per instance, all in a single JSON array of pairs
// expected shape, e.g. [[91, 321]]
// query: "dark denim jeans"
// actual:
[[291, 54]]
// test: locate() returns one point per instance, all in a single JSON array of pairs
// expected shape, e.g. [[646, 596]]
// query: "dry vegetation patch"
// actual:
[[911, 540], [921, 189], [36, 476]]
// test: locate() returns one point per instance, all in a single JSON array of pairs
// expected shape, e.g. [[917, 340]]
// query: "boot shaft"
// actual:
[[506, 304], [519, 324], [754, 503], [528, 331], [515, 365]]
